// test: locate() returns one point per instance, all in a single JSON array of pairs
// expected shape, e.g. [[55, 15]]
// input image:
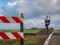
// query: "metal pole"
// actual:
[[21, 30], [47, 29]]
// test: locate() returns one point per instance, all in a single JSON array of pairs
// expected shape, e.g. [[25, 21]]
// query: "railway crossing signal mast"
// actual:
[[47, 21]]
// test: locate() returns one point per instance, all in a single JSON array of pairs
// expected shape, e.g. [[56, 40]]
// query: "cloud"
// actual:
[[32, 7], [55, 18], [2, 12], [22, 1], [11, 4], [54, 2], [34, 23], [22, 5], [37, 7], [55, 26], [1, 4]]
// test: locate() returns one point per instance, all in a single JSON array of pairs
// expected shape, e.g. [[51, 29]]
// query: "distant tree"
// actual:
[[51, 28], [33, 28]]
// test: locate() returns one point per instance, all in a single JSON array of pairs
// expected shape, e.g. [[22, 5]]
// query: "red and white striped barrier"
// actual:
[[12, 19], [11, 35]]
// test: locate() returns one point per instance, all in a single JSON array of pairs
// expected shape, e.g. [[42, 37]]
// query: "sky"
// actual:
[[34, 12]]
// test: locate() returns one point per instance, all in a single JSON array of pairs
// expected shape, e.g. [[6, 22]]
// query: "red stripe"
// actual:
[[4, 19], [3, 35], [17, 20], [16, 35]]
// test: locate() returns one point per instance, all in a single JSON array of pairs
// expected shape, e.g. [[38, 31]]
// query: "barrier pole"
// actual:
[[21, 29]]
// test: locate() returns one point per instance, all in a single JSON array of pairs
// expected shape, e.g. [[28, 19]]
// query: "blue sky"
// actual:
[[34, 12]]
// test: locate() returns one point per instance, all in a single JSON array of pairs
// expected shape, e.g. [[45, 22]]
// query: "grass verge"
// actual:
[[35, 40], [9, 42]]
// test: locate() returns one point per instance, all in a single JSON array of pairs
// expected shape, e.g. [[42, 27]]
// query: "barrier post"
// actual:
[[21, 29]]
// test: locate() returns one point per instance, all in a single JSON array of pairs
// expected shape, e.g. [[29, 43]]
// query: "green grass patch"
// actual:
[[25, 31], [9, 30], [31, 31]]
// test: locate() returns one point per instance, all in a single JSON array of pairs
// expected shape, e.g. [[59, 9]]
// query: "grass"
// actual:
[[9, 30], [31, 31], [25, 31], [9, 42], [45, 32], [35, 40]]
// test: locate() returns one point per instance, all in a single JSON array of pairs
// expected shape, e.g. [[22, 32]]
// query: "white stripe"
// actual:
[[1, 21], [11, 19], [10, 35], [21, 34], [47, 41], [1, 37]]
